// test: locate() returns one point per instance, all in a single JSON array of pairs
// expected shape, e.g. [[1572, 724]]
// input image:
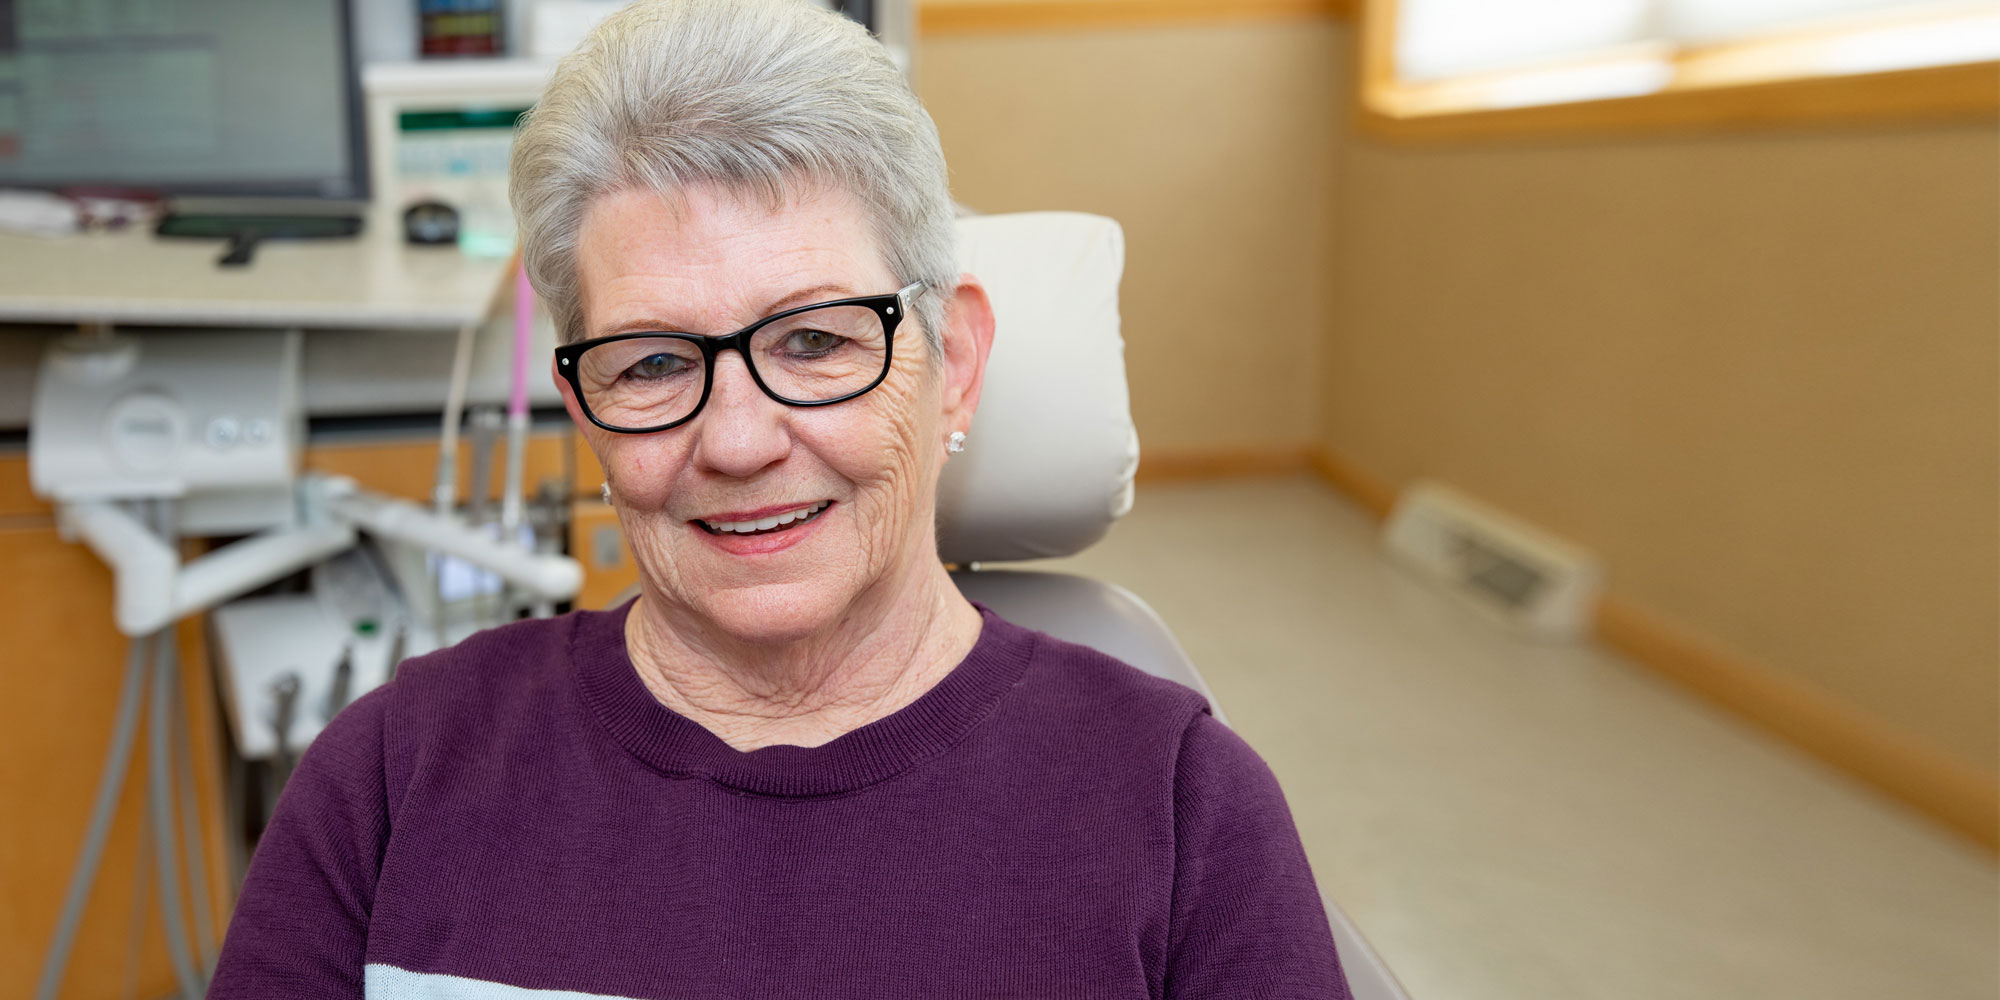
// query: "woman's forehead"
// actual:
[[715, 258]]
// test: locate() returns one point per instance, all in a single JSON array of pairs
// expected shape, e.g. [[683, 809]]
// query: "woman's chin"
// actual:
[[772, 614]]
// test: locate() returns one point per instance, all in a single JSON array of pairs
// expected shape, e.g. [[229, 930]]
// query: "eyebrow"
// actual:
[[804, 296]]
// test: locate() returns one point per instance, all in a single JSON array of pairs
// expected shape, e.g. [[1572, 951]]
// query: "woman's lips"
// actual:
[[762, 541], [767, 519]]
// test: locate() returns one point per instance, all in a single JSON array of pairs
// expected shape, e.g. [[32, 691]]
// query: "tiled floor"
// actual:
[[1511, 820]]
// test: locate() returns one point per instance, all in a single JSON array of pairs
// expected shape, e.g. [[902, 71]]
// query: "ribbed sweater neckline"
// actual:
[[676, 745]]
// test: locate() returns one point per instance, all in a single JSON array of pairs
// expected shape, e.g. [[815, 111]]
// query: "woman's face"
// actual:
[[713, 264]]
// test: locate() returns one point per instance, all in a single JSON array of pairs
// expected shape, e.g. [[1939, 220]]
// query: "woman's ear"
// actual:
[[968, 339]]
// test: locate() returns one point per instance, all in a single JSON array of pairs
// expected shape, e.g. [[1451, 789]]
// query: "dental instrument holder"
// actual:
[[214, 423], [154, 589], [211, 420]]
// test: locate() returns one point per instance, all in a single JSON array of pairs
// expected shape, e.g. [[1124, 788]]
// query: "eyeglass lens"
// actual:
[[808, 357]]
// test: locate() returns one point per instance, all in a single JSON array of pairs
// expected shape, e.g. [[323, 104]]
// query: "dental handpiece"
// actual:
[[343, 680], [285, 696], [401, 635], [484, 439]]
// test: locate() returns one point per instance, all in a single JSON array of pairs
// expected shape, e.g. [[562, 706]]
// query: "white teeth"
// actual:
[[765, 523]]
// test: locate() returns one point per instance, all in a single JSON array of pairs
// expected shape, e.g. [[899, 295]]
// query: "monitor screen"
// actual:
[[225, 97]]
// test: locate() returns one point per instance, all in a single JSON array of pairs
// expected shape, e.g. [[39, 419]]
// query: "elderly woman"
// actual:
[[799, 763]]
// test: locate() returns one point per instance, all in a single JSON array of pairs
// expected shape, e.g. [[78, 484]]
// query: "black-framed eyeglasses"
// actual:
[[816, 355]]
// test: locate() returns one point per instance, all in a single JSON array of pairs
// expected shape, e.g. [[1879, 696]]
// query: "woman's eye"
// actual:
[[812, 342], [657, 366]]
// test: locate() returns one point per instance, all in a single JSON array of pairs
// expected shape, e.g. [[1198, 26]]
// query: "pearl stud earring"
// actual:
[[957, 442]]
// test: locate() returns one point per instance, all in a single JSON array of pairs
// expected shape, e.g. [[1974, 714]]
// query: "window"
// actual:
[[1638, 60]]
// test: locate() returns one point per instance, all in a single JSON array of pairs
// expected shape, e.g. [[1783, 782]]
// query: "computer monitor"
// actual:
[[247, 98]]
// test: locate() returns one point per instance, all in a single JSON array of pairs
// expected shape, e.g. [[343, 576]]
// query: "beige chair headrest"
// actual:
[[1049, 461]]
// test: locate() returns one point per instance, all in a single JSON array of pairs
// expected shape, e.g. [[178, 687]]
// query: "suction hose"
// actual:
[[160, 799], [124, 736]]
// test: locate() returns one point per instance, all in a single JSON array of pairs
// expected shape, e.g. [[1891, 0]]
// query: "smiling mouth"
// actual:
[[766, 525]]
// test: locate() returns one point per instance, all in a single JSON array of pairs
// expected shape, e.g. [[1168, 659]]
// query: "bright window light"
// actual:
[[1580, 83], [1700, 21], [1911, 46], [1438, 38], [1460, 55]]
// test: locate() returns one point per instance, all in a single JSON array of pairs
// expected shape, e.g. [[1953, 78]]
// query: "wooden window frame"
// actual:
[[1755, 83], [937, 18]]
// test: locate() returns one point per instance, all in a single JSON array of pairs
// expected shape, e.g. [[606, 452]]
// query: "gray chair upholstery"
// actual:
[[1103, 616], [1114, 621]]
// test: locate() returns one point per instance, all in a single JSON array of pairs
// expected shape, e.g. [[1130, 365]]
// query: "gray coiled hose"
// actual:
[[191, 841], [161, 760], [160, 799], [169, 667], [124, 735]]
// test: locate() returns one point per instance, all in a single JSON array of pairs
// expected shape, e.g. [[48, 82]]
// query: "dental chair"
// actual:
[[1049, 462]]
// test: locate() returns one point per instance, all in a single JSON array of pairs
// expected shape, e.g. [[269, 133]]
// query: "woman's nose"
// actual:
[[741, 430]]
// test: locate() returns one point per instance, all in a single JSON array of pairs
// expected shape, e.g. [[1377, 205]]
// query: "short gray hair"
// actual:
[[764, 97]]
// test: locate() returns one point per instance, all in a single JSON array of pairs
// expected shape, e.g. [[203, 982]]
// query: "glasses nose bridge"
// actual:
[[740, 343]]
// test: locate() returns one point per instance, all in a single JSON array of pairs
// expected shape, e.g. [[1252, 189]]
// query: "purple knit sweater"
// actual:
[[517, 814]]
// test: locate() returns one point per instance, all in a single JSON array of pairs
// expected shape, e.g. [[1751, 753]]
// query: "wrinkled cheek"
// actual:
[[631, 466], [652, 541], [640, 470], [896, 493]]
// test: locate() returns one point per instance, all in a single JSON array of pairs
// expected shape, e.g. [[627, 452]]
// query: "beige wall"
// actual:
[[1213, 145], [1756, 372]]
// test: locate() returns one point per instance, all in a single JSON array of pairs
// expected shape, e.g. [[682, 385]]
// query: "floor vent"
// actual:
[[1508, 569]]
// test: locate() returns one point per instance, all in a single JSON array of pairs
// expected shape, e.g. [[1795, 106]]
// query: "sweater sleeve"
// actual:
[[301, 924], [1247, 919]]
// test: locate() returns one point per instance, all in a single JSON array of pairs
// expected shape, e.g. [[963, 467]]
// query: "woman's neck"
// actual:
[[809, 692]]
